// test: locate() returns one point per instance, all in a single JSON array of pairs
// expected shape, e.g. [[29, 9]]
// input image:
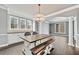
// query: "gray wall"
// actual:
[[3, 27], [77, 25], [67, 28], [36, 26], [77, 21], [3, 21], [51, 28], [45, 28]]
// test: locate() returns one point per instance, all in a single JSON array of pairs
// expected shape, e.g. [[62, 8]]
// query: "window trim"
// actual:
[[31, 22], [20, 23], [10, 23]]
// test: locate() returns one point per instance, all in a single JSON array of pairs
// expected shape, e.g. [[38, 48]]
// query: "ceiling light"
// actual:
[[39, 17]]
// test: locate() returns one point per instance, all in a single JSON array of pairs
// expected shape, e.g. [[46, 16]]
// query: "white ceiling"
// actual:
[[32, 9]]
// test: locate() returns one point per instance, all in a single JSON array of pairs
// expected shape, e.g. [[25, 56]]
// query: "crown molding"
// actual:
[[62, 11], [3, 6]]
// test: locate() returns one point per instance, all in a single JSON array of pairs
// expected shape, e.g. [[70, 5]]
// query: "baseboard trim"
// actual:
[[3, 45], [70, 44], [13, 44], [73, 45], [77, 46], [10, 45]]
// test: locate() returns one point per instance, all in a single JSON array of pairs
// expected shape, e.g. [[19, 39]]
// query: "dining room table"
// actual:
[[35, 38]]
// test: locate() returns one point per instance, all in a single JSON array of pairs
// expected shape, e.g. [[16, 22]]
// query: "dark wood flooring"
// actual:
[[61, 47]]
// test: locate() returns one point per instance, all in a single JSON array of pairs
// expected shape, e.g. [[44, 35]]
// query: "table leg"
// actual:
[[34, 43]]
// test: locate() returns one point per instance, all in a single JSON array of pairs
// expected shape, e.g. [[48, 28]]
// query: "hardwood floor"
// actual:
[[60, 45], [12, 50], [62, 48]]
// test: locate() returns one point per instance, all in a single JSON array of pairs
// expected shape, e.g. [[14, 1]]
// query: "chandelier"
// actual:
[[39, 17]]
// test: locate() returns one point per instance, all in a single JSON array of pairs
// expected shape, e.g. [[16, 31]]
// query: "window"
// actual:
[[59, 28], [14, 22], [22, 23], [29, 24]]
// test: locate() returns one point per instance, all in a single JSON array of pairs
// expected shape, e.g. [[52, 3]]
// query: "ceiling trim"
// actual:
[[64, 10], [3, 7]]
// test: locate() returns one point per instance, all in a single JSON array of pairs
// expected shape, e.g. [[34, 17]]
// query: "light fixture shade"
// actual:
[[39, 17]]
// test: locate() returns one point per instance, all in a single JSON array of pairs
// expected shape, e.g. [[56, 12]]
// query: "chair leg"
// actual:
[[23, 53]]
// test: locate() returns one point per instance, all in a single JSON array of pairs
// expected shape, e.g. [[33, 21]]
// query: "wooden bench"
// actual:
[[37, 49]]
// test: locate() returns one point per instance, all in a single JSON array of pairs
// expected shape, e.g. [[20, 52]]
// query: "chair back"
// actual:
[[34, 33], [27, 34]]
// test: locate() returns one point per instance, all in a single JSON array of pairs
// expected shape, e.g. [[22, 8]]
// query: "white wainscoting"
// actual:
[[14, 38], [77, 40]]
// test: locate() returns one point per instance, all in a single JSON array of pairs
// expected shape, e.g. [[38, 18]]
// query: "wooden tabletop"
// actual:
[[33, 38]]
